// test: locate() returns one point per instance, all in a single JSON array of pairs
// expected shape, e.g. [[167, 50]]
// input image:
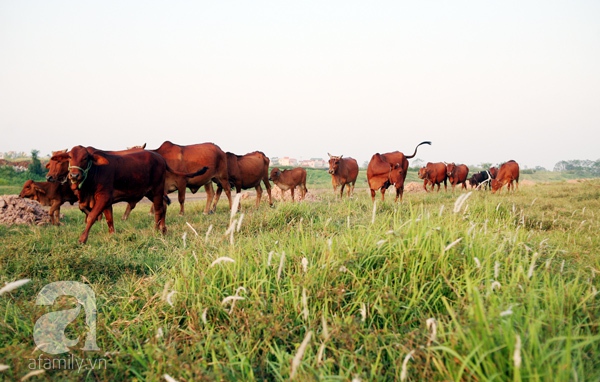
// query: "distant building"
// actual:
[[287, 161]]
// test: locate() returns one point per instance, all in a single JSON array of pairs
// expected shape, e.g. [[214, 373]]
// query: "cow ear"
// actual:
[[40, 190], [329, 155], [99, 160], [278, 173], [341, 156]]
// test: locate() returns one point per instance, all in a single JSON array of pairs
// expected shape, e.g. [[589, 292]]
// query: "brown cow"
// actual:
[[344, 171], [433, 173], [58, 171], [507, 173], [103, 179], [387, 169], [290, 179], [247, 171], [49, 194], [457, 174], [191, 158]]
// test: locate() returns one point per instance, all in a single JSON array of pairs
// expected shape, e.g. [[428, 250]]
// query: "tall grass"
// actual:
[[328, 290]]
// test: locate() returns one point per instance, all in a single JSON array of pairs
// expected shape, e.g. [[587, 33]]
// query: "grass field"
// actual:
[[501, 288]]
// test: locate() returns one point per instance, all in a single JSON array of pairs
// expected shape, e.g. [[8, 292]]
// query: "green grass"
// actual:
[[371, 282]]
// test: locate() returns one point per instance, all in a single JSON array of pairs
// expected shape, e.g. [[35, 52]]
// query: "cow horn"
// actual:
[[329, 155]]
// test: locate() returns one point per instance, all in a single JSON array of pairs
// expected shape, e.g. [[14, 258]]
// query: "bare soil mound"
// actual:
[[15, 210]]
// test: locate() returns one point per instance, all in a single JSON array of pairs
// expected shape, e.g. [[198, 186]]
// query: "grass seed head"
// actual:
[[13, 285]]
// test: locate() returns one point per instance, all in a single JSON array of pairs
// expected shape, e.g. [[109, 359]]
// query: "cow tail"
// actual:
[[415, 153], [167, 200]]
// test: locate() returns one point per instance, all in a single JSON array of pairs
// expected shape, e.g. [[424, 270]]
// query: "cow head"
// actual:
[[422, 172], [275, 174], [58, 167], [493, 172], [450, 167], [80, 163], [397, 175], [28, 190], [334, 163], [496, 185]]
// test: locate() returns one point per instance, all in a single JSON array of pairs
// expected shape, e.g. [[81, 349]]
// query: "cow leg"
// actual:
[[425, 185], [383, 194], [399, 192], [268, 187], [181, 197], [210, 194], [373, 195], [217, 197], [258, 189], [108, 214], [351, 190], [130, 207], [292, 191], [342, 190], [92, 216], [160, 212], [55, 212]]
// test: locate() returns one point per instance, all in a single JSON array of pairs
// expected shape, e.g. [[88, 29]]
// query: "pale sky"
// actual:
[[485, 81]]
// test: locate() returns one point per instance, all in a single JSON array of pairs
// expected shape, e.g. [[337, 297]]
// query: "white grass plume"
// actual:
[[532, 266], [168, 378], [299, 354], [460, 201], [4, 367], [363, 312], [170, 297], [404, 371], [304, 264], [183, 237], [477, 262], [269, 258], [374, 212], [432, 326], [517, 352], [281, 264], [234, 206], [453, 244], [208, 231], [496, 270], [13, 285], [239, 223], [204, 312], [222, 259], [305, 311], [32, 374], [192, 228], [507, 312], [496, 285]]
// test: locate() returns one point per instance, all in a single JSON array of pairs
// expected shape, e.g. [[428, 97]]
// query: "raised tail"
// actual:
[[187, 175], [415, 153]]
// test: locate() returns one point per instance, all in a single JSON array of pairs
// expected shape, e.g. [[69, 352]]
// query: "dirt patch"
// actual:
[[15, 210], [413, 187], [286, 196], [526, 183]]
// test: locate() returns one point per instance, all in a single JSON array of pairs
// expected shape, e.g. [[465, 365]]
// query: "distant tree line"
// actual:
[[579, 167]]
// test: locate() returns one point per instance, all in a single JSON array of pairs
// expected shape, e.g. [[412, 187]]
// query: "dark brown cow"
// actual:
[[344, 171], [290, 179], [434, 174], [106, 179], [387, 169], [49, 194], [457, 174], [58, 171], [507, 173], [191, 158], [247, 171]]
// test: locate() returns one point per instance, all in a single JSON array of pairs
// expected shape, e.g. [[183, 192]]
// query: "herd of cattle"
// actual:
[[97, 179]]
